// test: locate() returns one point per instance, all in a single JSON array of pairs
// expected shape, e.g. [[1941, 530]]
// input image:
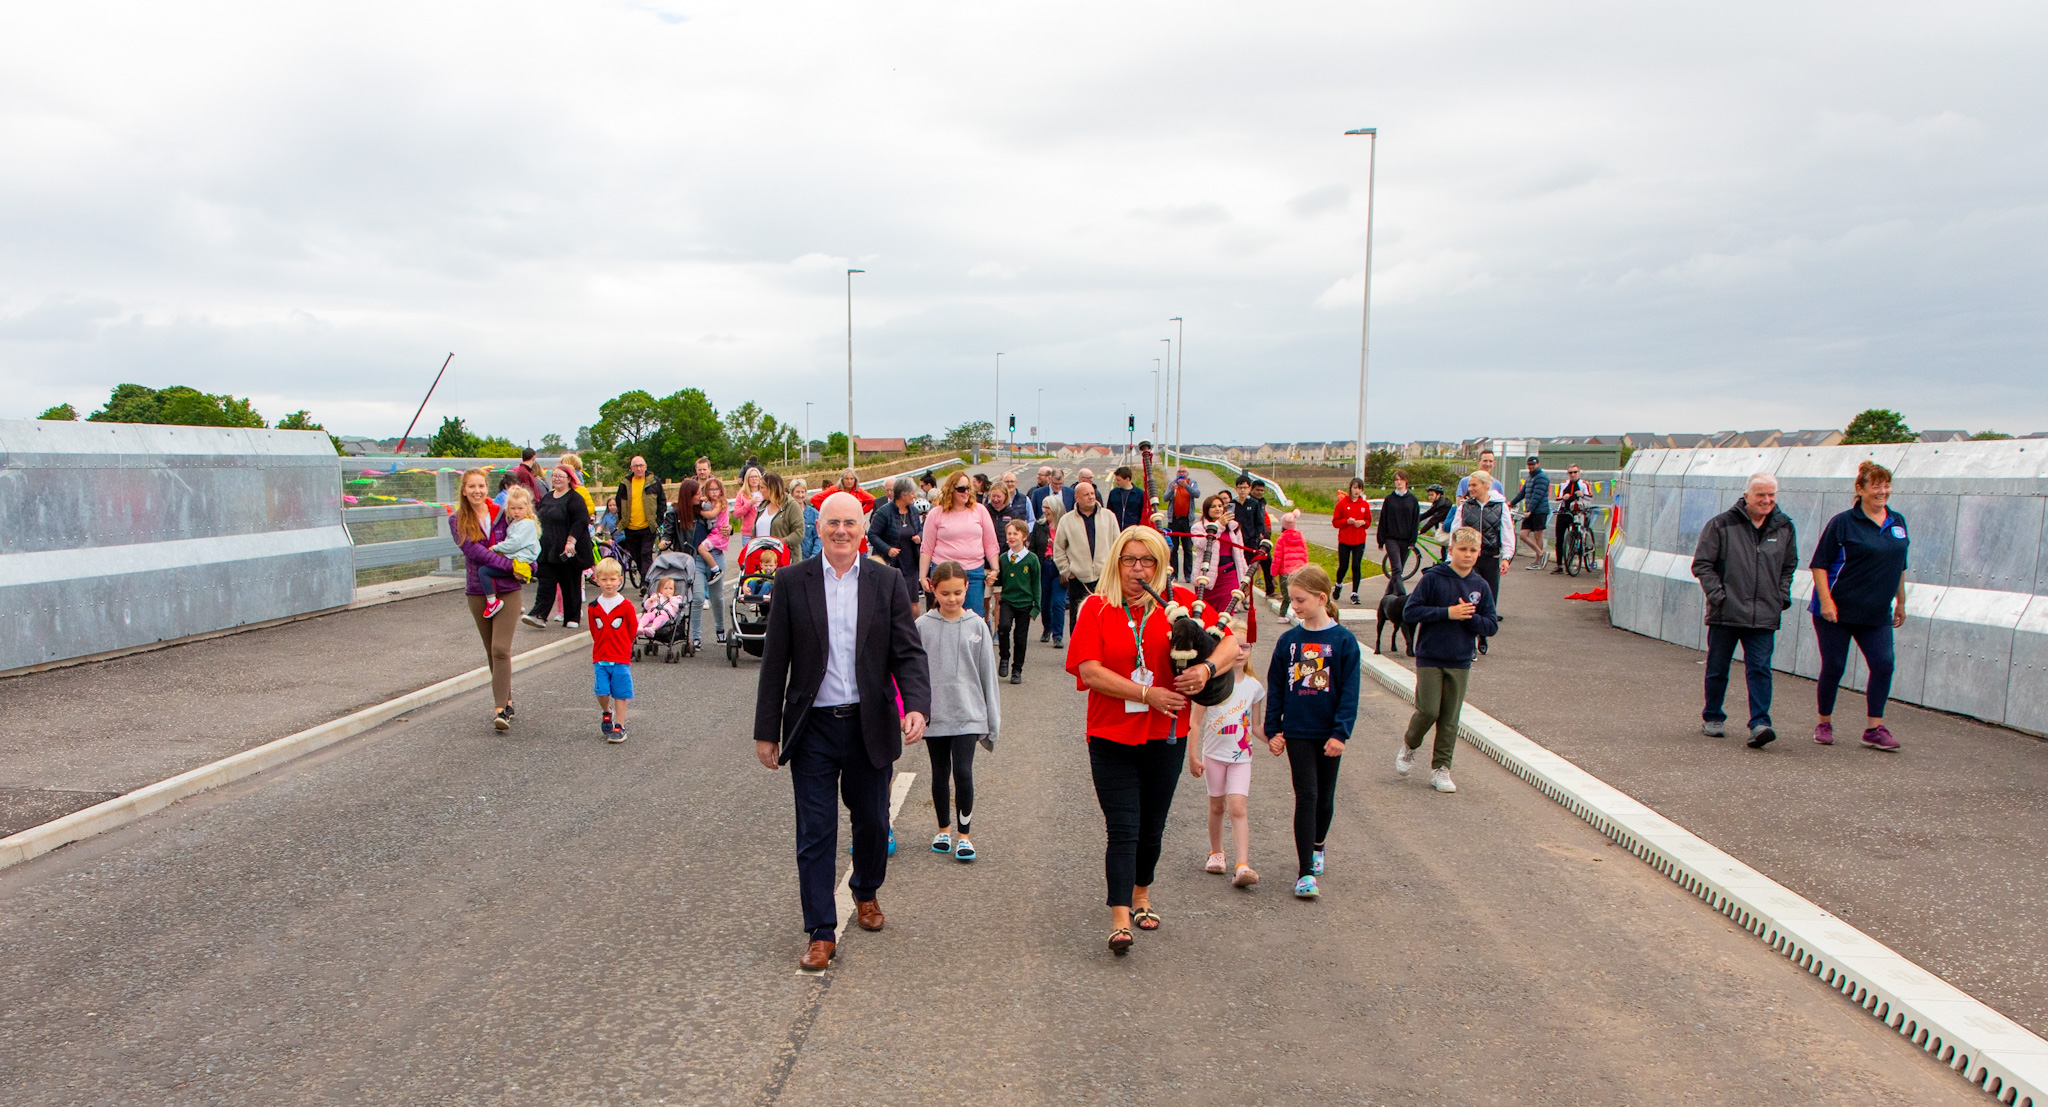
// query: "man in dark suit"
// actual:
[[840, 628]]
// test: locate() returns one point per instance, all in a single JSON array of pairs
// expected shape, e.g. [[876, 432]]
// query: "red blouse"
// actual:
[[1109, 634]]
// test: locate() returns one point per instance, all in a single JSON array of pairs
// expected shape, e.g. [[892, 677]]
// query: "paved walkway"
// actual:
[[433, 911], [1940, 850]]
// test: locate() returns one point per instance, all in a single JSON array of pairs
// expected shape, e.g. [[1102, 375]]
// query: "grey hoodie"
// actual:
[[962, 656]]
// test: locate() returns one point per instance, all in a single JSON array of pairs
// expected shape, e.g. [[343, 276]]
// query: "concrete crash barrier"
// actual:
[[120, 535], [1975, 640]]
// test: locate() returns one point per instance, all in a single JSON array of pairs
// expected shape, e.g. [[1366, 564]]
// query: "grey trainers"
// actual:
[[1404, 760], [1714, 728], [1761, 736]]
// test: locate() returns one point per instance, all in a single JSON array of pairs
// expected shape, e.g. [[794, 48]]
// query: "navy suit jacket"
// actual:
[[885, 646]]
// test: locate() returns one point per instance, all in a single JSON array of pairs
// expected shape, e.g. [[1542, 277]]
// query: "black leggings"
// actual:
[[1315, 797], [1134, 785], [952, 755], [1350, 555], [558, 577], [1488, 568], [1013, 629]]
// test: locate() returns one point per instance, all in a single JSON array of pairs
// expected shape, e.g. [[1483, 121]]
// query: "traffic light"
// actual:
[[1013, 424], [1131, 423]]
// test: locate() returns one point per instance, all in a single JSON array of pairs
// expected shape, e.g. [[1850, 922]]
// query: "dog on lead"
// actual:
[[1392, 607]]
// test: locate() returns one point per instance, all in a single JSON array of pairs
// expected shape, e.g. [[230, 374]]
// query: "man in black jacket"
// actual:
[[1745, 561], [840, 630], [641, 500], [1400, 519], [1257, 528]]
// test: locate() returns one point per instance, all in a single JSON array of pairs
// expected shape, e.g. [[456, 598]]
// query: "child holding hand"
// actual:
[[1224, 761], [1309, 715]]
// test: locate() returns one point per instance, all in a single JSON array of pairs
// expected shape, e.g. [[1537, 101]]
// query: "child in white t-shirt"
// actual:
[[1224, 760]]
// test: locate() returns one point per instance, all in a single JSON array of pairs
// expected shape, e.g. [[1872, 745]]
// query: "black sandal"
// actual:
[[1120, 940], [1144, 915]]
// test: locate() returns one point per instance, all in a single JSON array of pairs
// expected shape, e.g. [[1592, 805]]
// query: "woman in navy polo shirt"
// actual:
[[1859, 594]]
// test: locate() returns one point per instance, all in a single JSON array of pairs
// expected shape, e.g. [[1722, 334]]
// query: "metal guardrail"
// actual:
[[382, 555]]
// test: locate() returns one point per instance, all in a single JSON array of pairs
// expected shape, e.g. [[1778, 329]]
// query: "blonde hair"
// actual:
[[609, 567], [1316, 582], [518, 495], [1467, 536], [1111, 585]]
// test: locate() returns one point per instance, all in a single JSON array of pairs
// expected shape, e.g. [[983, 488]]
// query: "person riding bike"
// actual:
[[1572, 494]]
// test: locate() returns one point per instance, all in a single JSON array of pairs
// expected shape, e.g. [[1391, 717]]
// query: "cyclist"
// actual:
[[1572, 493], [1438, 514]]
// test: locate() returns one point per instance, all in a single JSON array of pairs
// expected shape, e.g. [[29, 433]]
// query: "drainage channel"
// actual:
[[1996, 1054]]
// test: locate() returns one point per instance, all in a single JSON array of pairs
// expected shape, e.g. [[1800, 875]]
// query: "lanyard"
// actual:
[[1137, 626]]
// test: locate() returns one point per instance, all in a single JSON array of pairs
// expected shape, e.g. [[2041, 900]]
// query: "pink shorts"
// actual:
[[1227, 778]]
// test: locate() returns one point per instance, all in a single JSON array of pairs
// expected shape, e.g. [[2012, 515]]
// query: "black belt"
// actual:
[[841, 710]]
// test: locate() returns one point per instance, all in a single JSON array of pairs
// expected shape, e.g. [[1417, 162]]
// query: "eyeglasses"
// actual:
[[1147, 562], [963, 488]]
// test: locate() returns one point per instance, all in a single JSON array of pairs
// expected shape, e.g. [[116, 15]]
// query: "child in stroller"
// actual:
[[752, 596], [665, 625]]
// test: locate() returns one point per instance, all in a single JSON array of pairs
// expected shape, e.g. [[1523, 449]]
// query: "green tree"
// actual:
[[583, 441], [453, 440], [302, 420], [62, 413], [835, 445], [1379, 468], [671, 433], [749, 431], [966, 436], [1877, 426], [496, 446], [552, 444], [177, 405], [1980, 436], [922, 444]]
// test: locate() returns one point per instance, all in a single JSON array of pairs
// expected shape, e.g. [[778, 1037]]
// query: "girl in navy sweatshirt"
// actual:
[[1311, 704], [1452, 611]]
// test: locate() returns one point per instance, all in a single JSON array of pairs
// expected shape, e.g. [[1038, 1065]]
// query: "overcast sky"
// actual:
[[1591, 217]]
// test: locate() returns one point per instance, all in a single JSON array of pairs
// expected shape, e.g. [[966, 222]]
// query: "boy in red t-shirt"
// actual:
[[613, 625]]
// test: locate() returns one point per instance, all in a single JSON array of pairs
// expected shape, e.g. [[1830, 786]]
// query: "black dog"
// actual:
[[1392, 608]]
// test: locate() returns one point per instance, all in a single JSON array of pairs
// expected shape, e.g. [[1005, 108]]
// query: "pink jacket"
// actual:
[[1290, 551], [720, 530], [968, 537]]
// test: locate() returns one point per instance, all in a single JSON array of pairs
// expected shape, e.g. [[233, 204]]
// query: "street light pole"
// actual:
[[1039, 430], [1365, 326], [807, 432], [849, 365], [1155, 401], [1169, 350], [1179, 343], [997, 426]]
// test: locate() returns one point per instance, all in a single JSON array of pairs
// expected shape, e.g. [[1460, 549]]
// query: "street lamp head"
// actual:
[[1364, 131], [851, 272], [1176, 319]]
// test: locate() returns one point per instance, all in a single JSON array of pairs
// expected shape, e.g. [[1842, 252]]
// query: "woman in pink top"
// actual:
[[959, 530]]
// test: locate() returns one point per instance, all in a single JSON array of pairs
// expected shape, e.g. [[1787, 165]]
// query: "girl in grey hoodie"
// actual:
[[966, 709]]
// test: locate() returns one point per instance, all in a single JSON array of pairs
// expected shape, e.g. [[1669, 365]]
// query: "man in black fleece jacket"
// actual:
[[1400, 518], [1452, 609]]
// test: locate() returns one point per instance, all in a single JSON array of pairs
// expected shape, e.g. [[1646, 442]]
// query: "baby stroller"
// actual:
[[672, 638], [747, 607]]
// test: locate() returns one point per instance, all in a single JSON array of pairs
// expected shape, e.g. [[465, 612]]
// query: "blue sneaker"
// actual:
[[892, 841], [1316, 863], [1305, 888]]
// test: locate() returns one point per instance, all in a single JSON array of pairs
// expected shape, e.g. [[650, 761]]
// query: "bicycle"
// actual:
[[1581, 548], [1412, 565]]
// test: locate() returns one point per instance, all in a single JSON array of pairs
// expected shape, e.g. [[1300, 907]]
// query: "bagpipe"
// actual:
[[1241, 599], [1192, 643]]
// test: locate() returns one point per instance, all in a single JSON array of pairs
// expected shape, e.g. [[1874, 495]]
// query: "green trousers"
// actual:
[[1439, 699]]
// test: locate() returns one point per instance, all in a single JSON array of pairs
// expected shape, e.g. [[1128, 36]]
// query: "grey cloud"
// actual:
[[1185, 215], [1319, 201]]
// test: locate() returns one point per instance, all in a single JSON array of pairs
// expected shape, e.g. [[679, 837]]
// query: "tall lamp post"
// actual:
[[1372, 134], [996, 427], [1155, 401], [849, 365], [1179, 343], [807, 433], [1038, 431], [1169, 351]]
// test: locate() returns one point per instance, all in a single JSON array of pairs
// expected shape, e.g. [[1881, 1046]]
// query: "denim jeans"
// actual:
[[1756, 662], [711, 561]]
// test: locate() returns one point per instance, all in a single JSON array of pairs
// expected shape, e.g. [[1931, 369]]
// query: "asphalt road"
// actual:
[[1940, 850], [434, 913]]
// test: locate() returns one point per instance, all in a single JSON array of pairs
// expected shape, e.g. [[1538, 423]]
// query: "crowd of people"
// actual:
[[892, 621]]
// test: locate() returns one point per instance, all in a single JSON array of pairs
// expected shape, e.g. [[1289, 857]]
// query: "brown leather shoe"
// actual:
[[819, 956], [869, 915]]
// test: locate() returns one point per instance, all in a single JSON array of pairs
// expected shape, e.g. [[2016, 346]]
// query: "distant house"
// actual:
[[1208, 450], [879, 445], [1944, 436], [1810, 438]]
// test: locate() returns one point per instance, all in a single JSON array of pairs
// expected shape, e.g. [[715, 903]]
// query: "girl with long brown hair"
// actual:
[[477, 524]]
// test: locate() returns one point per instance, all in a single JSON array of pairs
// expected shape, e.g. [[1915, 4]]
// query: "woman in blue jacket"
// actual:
[[1859, 595]]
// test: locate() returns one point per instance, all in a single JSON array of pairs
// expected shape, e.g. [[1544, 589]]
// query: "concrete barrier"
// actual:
[[119, 535], [1975, 640]]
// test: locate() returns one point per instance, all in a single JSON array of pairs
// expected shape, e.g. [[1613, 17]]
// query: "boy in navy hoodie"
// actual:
[[1452, 609]]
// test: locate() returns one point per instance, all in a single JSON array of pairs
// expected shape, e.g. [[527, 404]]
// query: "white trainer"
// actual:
[[1405, 760], [1440, 779]]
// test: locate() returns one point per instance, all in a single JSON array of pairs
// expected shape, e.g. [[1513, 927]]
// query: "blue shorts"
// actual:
[[613, 679]]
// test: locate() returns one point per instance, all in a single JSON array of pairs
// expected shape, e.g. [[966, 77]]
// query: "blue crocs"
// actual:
[[1305, 888]]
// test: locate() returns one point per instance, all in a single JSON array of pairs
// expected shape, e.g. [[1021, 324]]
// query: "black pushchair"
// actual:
[[672, 638], [747, 607]]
